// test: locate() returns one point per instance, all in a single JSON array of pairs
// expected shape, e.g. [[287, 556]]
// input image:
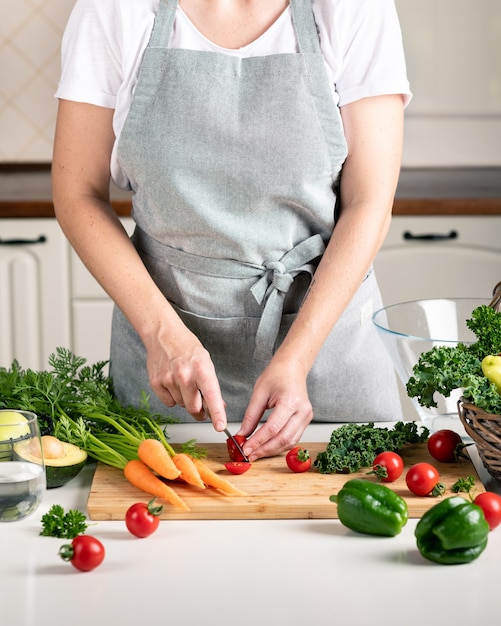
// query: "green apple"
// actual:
[[12, 425]]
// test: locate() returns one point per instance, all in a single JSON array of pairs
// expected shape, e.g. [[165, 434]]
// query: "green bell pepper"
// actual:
[[452, 531], [370, 508], [491, 368]]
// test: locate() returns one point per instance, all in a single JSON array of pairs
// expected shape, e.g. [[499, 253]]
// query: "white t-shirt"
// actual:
[[104, 43]]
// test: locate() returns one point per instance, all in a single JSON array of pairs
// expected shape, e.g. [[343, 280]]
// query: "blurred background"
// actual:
[[453, 50]]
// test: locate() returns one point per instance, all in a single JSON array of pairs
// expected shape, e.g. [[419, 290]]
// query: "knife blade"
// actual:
[[227, 433], [237, 445]]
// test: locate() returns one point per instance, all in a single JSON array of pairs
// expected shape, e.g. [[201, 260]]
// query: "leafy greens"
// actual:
[[77, 404], [446, 368]]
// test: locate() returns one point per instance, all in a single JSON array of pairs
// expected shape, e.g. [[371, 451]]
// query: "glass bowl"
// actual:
[[408, 329]]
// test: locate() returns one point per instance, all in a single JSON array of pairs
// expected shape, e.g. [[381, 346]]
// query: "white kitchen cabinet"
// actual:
[[34, 291], [91, 310], [440, 256]]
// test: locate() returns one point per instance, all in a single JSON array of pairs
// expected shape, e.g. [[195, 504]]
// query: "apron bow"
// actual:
[[272, 286]]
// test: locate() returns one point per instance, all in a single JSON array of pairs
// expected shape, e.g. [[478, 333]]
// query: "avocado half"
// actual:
[[58, 470]]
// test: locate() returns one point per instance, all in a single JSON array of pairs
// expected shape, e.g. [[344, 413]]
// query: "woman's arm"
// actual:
[[374, 132], [178, 366]]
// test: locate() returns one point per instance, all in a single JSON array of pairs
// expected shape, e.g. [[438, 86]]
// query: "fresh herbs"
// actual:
[[79, 405], [353, 446], [65, 525], [446, 368], [464, 485]]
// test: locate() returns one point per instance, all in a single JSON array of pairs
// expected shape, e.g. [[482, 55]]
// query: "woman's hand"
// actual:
[[281, 388], [181, 372]]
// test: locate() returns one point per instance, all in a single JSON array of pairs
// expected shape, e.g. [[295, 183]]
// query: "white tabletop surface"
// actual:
[[239, 573]]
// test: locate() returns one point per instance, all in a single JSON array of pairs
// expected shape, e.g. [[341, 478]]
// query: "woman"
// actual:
[[247, 130]]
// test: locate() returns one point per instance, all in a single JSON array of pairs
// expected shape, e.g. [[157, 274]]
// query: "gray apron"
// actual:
[[234, 164]]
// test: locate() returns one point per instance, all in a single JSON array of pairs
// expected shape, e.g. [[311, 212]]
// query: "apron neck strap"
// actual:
[[164, 21], [305, 26]]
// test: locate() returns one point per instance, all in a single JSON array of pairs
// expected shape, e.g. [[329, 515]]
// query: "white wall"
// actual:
[[453, 50]]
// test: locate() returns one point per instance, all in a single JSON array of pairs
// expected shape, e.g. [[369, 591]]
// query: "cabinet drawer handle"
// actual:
[[408, 236], [22, 242]]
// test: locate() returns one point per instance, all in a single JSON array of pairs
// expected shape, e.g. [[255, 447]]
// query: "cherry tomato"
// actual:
[[84, 552], [490, 503], [232, 449], [237, 467], [422, 479], [298, 459], [388, 466], [446, 446], [143, 519]]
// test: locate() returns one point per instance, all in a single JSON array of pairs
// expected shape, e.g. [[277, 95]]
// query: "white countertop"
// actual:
[[244, 573]]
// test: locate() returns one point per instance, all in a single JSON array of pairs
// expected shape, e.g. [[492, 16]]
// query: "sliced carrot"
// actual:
[[153, 453], [141, 476], [189, 471], [213, 479]]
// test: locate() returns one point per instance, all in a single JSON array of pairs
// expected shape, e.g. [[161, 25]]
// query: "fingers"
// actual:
[[281, 432]]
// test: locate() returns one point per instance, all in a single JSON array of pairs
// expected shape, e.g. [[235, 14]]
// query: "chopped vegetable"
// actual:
[[446, 368], [237, 467], [353, 446], [370, 508], [452, 531], [64, 525]]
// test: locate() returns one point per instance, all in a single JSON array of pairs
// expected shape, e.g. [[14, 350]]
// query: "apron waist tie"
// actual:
[[273, 285], [274, 278]]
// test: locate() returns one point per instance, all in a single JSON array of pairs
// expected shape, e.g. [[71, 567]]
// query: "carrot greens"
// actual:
[[76, 403]]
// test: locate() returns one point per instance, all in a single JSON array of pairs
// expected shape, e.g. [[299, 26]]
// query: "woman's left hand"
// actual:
[[281, 388]]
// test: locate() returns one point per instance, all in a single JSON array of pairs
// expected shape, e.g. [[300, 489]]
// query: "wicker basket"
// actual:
[[485, 430]]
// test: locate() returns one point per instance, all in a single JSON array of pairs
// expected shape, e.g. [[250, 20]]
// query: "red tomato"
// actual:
[[84, 552], [232, 449], [422, 479], [490, 503], [446, 446], [143, 519], [237, 467], [388, 466], [298, 459]]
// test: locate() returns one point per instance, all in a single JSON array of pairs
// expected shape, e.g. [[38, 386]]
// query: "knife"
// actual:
[[237, 445], [227, 433]]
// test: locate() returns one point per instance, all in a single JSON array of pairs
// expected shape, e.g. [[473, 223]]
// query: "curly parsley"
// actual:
[[65, 525]]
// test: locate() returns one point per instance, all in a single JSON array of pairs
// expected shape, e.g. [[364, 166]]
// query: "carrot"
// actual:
[[140, 475], [188, 469], [215, 480], [153, 453]]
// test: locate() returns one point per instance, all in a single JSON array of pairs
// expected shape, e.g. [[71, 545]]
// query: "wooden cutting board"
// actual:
[[273, 491]]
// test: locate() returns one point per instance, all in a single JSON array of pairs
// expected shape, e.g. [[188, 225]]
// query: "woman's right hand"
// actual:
[[181, 372]]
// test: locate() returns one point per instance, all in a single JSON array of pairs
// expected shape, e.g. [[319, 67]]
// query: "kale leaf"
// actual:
[[446, 368], [353, 446]]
